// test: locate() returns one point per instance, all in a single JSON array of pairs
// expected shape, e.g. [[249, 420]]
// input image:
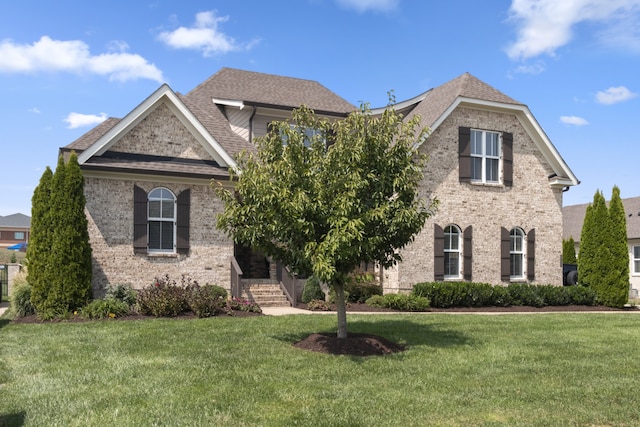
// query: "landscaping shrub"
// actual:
[[163, 298], [312, 290], [318, 305], [104, 308], [402, 302], [121, 292], [244, 305], [360, 287], [21, 300], [467, 294], [207, 300], [525, 294], [581, 295]]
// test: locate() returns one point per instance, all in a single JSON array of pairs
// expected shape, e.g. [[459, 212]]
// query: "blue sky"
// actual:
[[67, 65]]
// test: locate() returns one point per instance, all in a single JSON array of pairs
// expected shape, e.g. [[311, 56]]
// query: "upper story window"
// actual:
[[517, 253], [485, 156], [452, 253], [162, 220]]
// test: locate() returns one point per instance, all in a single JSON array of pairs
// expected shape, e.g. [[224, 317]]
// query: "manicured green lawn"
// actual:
[[458, 370]]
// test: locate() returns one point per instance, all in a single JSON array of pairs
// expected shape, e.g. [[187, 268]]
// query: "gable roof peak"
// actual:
[[469, 86]]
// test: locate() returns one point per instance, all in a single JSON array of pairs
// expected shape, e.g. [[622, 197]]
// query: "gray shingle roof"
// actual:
[[93, 135], [17, 220], [438, 99], [268, 89], [573, 218]]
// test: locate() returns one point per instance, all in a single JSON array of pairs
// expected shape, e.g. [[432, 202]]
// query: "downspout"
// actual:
[[251, 124]]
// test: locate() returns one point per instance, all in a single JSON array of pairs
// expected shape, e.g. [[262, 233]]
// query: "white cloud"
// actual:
[[365, 5], [76, 120], [573, 120], [34, 110], [73, 56], [533, 69], [204, 35], [546, 25], [613, 95]]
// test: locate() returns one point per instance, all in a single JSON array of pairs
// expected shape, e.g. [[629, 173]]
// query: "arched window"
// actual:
[[517, 253], [452, 252], [161, 216]]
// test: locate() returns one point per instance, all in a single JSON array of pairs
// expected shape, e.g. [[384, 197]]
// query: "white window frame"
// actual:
[[18, 235], [163, 219], [452, 249], [516, 251], [635, 253], [484, 156]]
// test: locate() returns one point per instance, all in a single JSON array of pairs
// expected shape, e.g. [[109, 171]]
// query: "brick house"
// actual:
[[14, 229], [151, 209]]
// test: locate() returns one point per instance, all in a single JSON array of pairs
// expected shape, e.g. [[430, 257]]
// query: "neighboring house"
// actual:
[[574, 218], [152, 211], [14, 229]]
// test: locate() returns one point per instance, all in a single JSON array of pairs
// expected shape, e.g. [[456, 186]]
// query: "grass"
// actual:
[[458, 370]]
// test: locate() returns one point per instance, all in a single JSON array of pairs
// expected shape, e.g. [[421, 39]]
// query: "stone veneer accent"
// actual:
[[530, 204]]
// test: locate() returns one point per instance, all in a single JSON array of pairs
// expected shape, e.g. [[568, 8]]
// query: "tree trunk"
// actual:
[[341, 308]]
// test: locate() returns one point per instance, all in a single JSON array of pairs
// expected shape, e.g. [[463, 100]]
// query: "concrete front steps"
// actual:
[[264, 292]]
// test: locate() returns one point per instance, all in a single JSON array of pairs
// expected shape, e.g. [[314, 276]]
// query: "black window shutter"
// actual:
[[467, 253], [531, 254], [505, 255], [139, 220], [438, 253], [507, 158], [464, 154], [182, 232]]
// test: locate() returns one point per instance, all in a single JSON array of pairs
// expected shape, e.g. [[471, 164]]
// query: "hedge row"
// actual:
[[468, 294]]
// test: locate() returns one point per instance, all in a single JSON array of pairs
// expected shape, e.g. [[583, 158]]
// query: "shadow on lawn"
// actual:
[[400, 331], [12, 420]]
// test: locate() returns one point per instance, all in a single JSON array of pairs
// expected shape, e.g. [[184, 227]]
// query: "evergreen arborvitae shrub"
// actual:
[[614, 291], [593, 241], [569, 251], [63, 276], [39, 248], [312, 290]]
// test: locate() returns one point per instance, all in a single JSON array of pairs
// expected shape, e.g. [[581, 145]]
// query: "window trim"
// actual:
[[172, 220], [18, 235], [484, 157], [635, 259], [522, 253], [448, 239]]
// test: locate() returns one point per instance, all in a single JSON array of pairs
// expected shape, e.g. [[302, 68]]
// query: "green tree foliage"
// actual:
[[603, 262], [592, 237], [64, 273], [39, 247], [569, 251], [323, 197], [615, 290]]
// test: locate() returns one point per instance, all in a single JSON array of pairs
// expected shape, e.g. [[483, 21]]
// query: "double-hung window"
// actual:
[[452, 252], [161, 220], [517, 253], [485, 156], [636, 260]]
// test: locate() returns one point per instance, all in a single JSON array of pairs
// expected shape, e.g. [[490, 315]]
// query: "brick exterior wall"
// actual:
[[529, 204], [109, 209]]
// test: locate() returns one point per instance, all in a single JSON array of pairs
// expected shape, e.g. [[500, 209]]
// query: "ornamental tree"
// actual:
[[325, 196], [615, 290]]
